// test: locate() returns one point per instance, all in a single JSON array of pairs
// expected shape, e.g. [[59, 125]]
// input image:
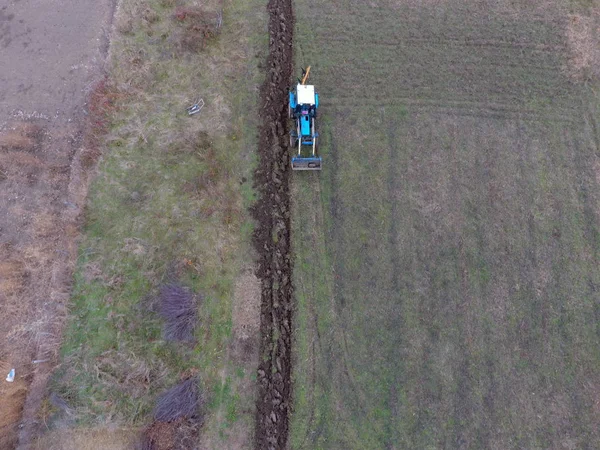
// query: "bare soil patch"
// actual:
[[160, 436], [178, 416], [180, 434]]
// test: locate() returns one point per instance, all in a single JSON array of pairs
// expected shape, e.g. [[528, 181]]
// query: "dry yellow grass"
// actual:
[[584, 46], [16, 141], [12, 396], [87, 439], [11, 277], [37, 256], [45, 224], [20, 136], [20, 159], [246, 306]]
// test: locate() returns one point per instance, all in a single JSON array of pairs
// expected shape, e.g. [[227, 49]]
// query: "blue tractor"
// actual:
[[303, 105]]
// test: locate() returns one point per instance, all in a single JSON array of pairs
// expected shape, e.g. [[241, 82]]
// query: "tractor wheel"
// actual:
[[290, 113]]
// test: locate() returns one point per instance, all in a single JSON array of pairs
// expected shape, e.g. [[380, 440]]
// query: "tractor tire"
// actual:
[[293, 140]]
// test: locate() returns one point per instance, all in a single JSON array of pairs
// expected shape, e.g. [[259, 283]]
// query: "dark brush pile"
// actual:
[[181, 401], [178, 307]]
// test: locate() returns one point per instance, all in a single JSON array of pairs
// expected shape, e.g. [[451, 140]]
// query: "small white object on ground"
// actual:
[[196, 107], [11, 376]]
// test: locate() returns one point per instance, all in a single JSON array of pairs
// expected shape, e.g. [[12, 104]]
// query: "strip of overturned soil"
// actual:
[[272, 236]]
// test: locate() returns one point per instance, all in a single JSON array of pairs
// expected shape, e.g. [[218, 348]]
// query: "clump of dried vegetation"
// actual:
[[181, 401], [18, 144], [178, 416], [22, 136], [102, 103], [179, 310], [197, 27]]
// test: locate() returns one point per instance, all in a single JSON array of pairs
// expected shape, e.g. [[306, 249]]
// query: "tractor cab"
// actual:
[[303, 105], [306, 114], [307, 110]]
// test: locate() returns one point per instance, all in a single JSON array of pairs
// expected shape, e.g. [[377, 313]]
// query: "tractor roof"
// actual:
[[306, 94]]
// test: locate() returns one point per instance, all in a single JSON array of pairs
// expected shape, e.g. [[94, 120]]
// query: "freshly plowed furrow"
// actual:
[[272, 236]]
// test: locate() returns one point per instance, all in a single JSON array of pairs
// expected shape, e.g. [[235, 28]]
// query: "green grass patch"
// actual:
[[447, 254], [169, 203]]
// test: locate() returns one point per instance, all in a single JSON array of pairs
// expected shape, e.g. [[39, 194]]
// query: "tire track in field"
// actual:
[[272, 237], [395, 280]]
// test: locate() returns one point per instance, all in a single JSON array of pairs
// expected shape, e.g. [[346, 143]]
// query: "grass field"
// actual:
[[447, 256], [169, 204]]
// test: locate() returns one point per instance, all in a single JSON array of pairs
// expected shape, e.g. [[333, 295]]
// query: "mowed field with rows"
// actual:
[[446, 258]]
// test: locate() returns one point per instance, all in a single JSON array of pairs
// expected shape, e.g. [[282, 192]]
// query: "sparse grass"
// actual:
[[168, 204], [447, 255]]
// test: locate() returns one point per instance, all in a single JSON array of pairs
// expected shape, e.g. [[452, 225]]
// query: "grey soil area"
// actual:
[[50, 52], [51, 57]]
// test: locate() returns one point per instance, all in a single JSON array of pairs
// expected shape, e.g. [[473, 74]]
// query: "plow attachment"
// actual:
[[308, 163]]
